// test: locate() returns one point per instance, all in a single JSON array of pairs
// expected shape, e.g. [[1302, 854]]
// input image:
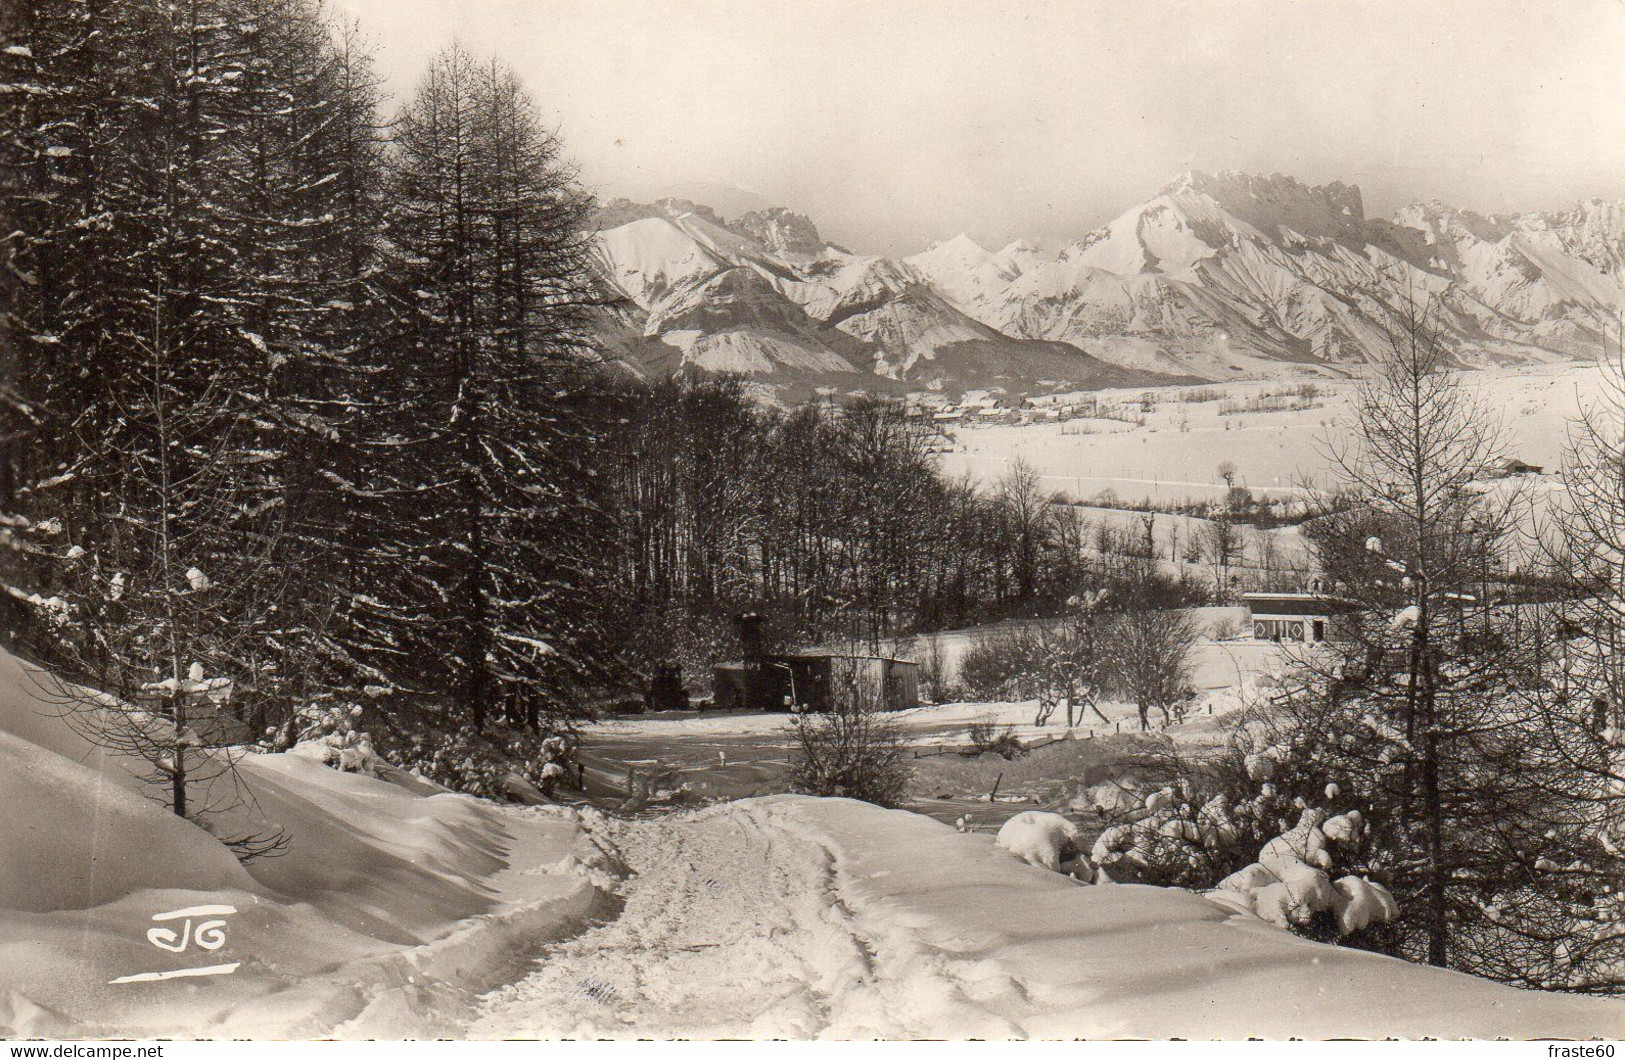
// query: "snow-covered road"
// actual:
[[733, 926]]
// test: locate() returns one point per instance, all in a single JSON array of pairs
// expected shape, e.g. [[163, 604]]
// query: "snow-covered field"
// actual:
[[1222, 672], [402, 912], [1175, 455]]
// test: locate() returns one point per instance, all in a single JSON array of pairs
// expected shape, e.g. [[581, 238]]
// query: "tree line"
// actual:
[[289, 406], [834, 519]]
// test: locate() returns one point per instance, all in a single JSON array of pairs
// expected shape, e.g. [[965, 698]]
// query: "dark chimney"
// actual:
[[750, 638]]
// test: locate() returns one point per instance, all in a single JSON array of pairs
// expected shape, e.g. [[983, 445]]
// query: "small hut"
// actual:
[[1516, 467], [813, 680]]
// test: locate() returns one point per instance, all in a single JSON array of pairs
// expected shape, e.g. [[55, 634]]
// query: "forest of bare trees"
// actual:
[[835, 521]]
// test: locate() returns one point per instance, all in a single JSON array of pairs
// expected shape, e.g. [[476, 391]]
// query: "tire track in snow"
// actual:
[[731, 926], [713, 939]]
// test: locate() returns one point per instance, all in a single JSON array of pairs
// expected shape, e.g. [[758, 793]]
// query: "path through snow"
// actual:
[[733, 926]]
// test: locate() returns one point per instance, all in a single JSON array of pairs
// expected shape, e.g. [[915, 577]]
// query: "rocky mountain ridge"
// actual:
[[1216, 276]]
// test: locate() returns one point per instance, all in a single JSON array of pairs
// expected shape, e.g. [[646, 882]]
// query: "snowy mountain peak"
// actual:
[[1441, 223], [962, 244], [964, 271], [781, 230], [1214, 275], [765, 297], [1232, 272], [618, 212], [1246, 193]]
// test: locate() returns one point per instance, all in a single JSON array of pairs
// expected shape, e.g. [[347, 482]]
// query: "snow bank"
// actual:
[[1018, 952], [68, 841], [388, 902]]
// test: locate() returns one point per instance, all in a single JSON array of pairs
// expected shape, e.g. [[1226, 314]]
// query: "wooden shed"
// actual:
[[810, 680]]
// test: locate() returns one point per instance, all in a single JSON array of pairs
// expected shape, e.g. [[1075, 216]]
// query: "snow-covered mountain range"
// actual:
[[1214, 277]]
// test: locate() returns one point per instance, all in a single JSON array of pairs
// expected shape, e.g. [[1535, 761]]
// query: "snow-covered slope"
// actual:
[[1553, 280], [766, 297], [1025, 254], [1034, 954], [389, 909]]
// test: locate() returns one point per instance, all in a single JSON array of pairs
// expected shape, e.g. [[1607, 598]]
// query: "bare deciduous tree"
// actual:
[[852, 750], [1066, 662], [1152, 652]]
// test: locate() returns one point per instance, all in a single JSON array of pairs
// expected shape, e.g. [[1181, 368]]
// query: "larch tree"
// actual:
[[487, 238], [1436, 711], [1420, 439], [183, 364], [1025, 507], [303, 207], [151, 578], [1577, 939]]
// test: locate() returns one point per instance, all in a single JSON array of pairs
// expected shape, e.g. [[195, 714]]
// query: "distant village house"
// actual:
[[1303, 618]]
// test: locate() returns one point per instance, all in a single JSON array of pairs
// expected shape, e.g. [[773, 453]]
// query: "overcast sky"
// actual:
[[896, 122]]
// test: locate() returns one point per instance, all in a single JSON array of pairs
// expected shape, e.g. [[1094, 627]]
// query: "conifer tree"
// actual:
[[199, 231], [487, 238], [1453, 722]]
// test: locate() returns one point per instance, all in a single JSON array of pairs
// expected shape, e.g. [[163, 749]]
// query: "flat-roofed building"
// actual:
[[1304, 618]]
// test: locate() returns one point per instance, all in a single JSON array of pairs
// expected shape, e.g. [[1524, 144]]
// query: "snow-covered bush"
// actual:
[[329, 734], [1165, 840], [482, 763], [1213, 817], [1291, 883], [1114, 800], [1359, 903], [1047, 840]]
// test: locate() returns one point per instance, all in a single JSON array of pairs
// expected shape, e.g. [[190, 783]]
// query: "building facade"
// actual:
[[1302, 618]]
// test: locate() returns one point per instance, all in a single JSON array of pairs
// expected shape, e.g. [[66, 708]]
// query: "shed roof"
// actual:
[[808, 656], [1295, 603]]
